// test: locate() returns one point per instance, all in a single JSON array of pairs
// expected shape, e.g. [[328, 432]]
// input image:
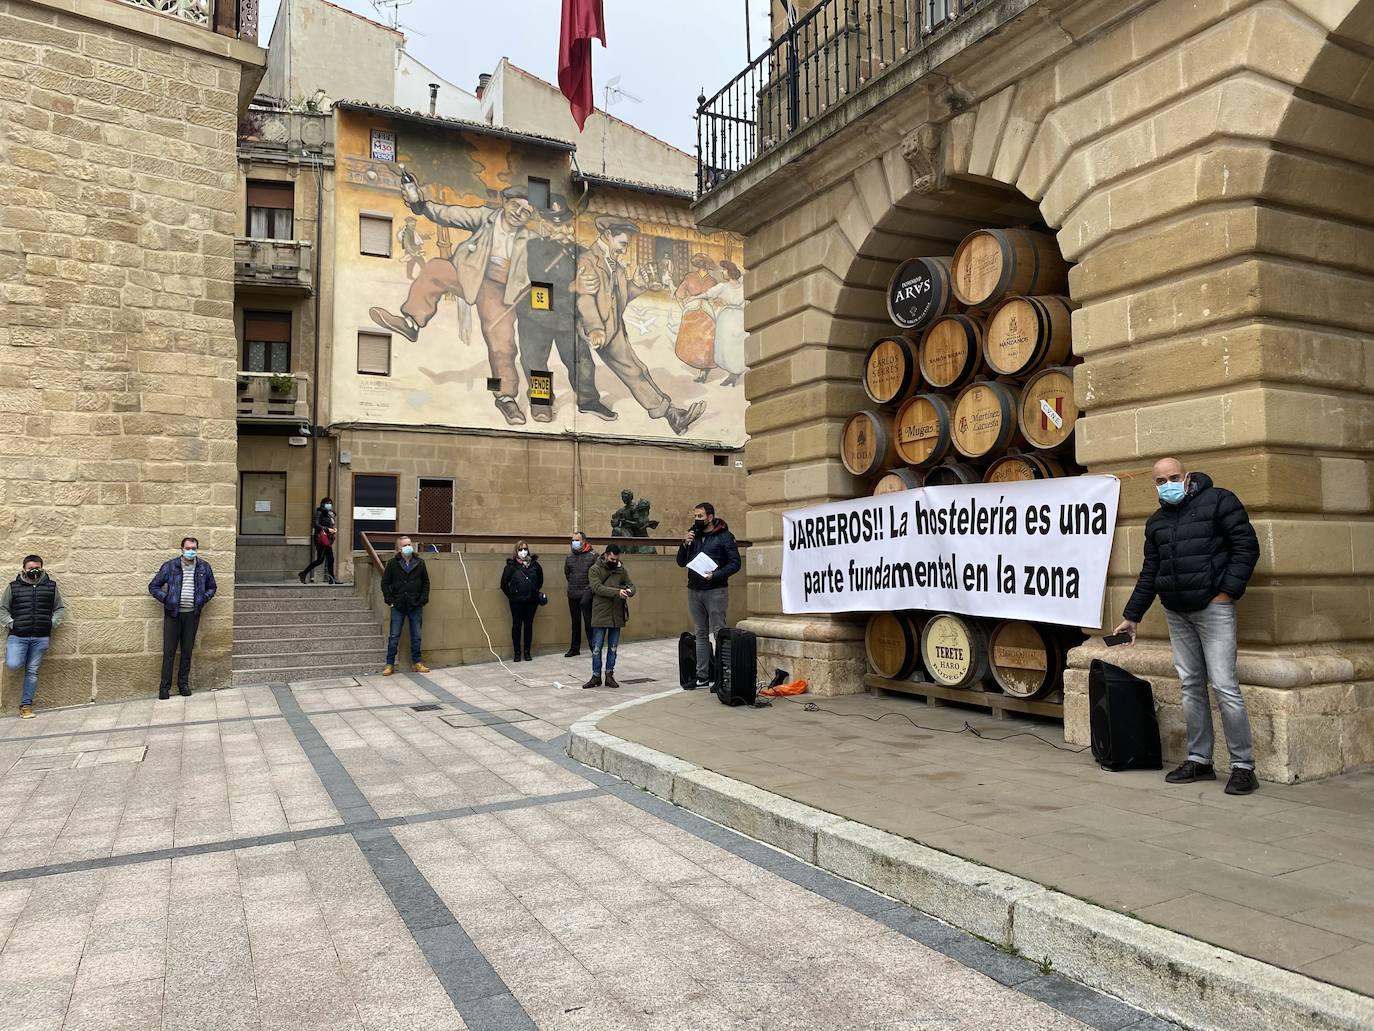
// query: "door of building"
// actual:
[[374, 506], [262, 504], [434, 504]]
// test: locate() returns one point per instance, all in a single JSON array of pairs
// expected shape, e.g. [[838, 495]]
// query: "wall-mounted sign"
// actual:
[[262, 506], [374, 513], [541, 387], [539, 297], [383, 145]]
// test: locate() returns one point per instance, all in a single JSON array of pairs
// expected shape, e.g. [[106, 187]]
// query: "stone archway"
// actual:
[[1206, 167]]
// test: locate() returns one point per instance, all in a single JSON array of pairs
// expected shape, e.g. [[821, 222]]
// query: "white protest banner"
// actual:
[[1034, 549]]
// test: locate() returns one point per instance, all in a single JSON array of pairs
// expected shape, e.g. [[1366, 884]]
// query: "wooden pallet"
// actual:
[[1000, 704]]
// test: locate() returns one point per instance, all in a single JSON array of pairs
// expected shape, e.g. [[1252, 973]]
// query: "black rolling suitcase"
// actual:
[[739, 660]]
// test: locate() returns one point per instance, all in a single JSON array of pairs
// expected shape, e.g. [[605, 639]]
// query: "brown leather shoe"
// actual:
[[610, 679], [595, 681], [419, 667], [396, 323], [388, 669]]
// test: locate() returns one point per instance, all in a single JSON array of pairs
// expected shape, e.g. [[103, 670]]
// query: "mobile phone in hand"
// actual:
[[1112, 640]]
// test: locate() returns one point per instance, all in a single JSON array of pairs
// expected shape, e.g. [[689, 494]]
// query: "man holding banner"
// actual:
[[1200, 551]]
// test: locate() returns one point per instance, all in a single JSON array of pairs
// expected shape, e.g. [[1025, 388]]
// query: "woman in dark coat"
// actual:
[[522, 582], [323, 530]]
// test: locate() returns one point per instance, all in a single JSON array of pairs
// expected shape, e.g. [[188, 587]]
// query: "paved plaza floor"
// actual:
[[418, 852], [1285, 875]]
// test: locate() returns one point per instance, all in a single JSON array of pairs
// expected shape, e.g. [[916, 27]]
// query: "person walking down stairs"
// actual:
[[323, 531]]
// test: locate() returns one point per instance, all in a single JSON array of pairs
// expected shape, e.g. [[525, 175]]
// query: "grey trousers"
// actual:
[[1204, 644], [708, 617]]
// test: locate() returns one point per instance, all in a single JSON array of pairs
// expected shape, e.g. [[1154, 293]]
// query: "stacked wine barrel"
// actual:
[[974, 386]]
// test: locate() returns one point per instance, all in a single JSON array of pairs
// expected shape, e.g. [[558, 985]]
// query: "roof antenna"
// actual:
[[614, 94]]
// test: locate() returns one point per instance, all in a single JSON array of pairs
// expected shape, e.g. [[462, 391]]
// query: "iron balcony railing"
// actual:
[[237, 18], [826, 56]]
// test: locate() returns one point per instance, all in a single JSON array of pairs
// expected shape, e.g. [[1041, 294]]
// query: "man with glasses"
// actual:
[[489, 270], [1200, 551]]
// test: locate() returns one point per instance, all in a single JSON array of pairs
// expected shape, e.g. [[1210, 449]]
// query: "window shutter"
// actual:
[[374, 354], [374, 235], [271, 195]]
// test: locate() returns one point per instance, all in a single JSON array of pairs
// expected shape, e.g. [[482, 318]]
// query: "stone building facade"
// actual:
[[1208, 169], [116, 323]]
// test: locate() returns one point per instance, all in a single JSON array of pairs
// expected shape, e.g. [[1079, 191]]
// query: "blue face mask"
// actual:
[[1172, 493], [188, 553], [407, 551]]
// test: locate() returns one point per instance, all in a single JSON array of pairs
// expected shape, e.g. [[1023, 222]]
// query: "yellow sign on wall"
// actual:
[[539, 297], [541, 387]]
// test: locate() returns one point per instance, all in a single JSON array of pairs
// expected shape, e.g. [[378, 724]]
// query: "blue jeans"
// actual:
[[1204, 644], [26, 652], [607, 637], [394, 641]]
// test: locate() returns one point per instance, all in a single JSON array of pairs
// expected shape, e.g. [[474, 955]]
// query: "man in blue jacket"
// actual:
[[708, 595], [1200, 551], [183, 585]]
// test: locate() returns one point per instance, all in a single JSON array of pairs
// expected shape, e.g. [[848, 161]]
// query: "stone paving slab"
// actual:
[[1240, 873], [322, 855]]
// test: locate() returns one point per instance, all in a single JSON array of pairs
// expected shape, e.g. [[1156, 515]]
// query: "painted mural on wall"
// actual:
[[608, 313]]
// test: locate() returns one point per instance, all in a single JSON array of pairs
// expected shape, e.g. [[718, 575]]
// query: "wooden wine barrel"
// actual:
[[1026, 334], [1027, 659], [920, 291], [1048, 410], [893, 643], [995, 263], [895, 480], [954, 650], [952, 352], [952, 473], [1018, 466], [986, 419], [892, 371], [867, 447], [923, 429]]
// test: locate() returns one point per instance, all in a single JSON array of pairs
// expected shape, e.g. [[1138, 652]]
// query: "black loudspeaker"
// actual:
[[1122, 713], [738, 654]]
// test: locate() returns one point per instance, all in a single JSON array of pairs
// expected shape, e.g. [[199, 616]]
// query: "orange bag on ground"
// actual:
[[796, 687]]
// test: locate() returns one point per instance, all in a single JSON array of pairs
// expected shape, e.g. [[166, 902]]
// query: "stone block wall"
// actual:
[[1207, 166], [116, 326], [531, 485]]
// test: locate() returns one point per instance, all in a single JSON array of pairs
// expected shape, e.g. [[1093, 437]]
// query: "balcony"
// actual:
[[235, 18], [273, 264], [268, 397], [829, 56], [271, 134]]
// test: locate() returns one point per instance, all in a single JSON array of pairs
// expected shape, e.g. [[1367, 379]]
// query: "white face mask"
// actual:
[[522, 554]]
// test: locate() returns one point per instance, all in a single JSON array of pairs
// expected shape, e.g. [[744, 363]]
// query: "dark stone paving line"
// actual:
[[1086, 1004], [283, 837], [202, 723], [482, 999]]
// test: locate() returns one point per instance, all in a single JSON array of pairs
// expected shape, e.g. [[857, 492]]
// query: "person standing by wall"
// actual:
[[323, 531], [405, 587], [576, 566], [612, 590], [522, 582], [708, 595], [184, 586], [1200, 552], [31, 609]]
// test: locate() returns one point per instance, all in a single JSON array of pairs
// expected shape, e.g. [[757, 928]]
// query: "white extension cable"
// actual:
[[518, 678]]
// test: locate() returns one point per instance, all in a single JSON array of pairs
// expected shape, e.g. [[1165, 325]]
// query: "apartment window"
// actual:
[[374, 354], [374, 235], [539, 194], [266, 341], [270, 207]]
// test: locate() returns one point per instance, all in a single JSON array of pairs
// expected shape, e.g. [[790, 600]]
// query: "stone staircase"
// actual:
[[286, 633]]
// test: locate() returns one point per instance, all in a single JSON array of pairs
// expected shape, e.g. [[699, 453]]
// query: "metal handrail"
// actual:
[[504, 538], [829, 54]]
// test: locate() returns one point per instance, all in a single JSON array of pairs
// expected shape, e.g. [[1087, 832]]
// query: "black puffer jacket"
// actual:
[[522, 582], [1195, 550]]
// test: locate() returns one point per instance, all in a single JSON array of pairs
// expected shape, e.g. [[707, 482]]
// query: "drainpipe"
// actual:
[[315, 394], [433, 97]]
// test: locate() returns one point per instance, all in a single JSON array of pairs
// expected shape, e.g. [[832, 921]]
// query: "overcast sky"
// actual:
[[665, 51]]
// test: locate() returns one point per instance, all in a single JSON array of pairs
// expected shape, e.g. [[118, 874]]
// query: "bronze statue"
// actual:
[[632, 520]]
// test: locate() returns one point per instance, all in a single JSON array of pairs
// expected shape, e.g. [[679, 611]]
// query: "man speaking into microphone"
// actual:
[[708, 594]]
